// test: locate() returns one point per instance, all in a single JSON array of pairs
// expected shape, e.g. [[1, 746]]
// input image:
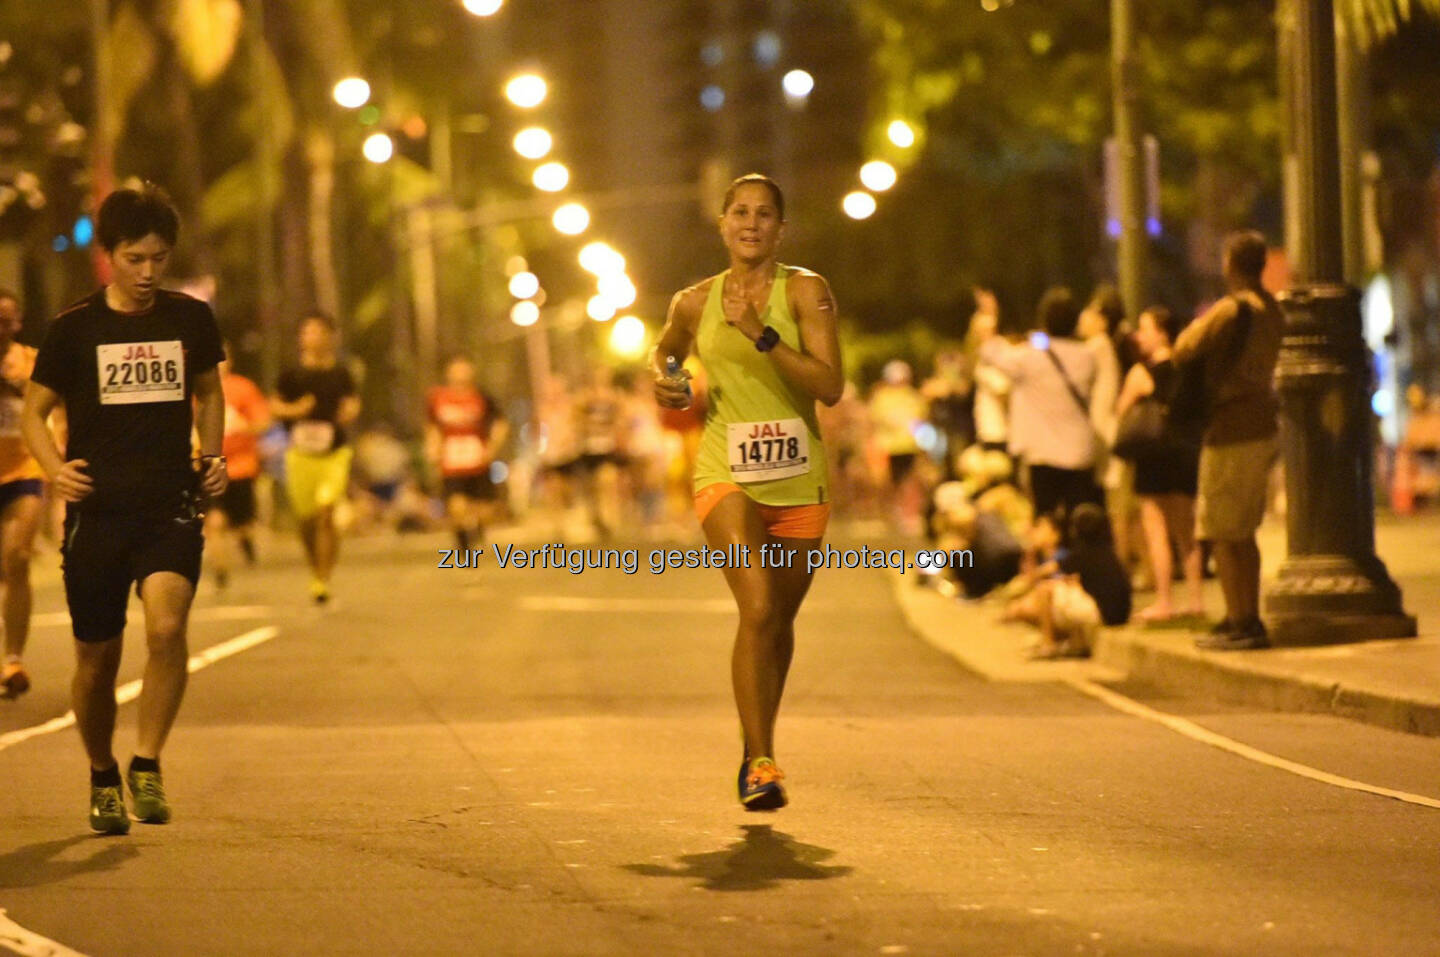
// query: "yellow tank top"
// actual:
[[760, 431]]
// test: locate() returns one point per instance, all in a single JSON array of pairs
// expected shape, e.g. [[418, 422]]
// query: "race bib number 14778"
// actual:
[[133, 372]]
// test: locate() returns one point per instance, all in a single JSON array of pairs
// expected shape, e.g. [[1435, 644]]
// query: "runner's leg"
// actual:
[[167, 597], [18, 525], [93, 697]]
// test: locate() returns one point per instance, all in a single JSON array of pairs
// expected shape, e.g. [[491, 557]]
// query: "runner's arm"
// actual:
[[676, 339], [210, 425], [292, 409], [69, 477], [816, 369]]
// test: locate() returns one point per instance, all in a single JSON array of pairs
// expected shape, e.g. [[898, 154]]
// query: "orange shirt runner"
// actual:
[[16, 462], [245, 406]]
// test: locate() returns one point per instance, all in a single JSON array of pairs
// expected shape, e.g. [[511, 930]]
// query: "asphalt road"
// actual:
[[533, 762]]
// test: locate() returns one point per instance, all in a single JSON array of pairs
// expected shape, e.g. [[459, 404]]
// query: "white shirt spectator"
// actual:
[[1047, 425]]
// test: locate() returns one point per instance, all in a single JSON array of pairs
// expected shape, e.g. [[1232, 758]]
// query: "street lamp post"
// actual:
[[1129, 150], [1332, 586]]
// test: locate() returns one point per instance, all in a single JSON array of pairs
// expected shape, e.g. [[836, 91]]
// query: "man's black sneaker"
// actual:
[[1249, 636]]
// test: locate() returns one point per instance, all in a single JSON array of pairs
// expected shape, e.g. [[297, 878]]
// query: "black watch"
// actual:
[[768, 340]]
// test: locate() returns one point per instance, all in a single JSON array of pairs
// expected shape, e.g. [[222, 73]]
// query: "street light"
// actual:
[[378, 147], [572, 219], [902, 134], [551, 177], [352, 93], [627, 336], [798, 83], [859, 205], [483, 8], [878, 175], [524, 285], [526, 90], [599, 309], [533, 142], [617, 289], [600, 259], [525, 313]]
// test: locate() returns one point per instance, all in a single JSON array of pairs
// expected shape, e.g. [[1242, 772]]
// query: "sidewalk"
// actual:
[[1394, 684]]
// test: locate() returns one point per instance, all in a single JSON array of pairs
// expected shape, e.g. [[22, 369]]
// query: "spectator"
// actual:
[[992, 387], [1052, 378], [1100, 330], [1082, 588], [1165, 478], [896, 412], [1238, 340]]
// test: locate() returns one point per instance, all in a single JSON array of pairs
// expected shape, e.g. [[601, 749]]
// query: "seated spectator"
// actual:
[[1082, 588]]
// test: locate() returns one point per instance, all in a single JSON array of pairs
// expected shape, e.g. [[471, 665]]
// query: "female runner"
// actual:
[[766, 334]]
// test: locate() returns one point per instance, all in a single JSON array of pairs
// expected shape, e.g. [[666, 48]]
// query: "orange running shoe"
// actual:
[[761, 790], [14, 679]]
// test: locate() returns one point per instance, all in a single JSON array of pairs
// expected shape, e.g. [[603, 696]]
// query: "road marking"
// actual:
[[714, 606], [51, 619], [27, 943], [1195, 732], [130, 690]]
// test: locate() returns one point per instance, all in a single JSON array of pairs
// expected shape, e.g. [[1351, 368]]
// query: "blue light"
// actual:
[[84, 232], [60, 244], [767, 48], [712, 98], [1383, 403], [1152, 226], [1112, 226], [1039, 340], [499, 472]]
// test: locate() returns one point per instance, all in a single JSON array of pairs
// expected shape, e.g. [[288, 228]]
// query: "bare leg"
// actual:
[[17, 540], [217, 543], [167, 597], [766, 599], [93, 696], [321, 541], [1157, 545], [1180, 520]]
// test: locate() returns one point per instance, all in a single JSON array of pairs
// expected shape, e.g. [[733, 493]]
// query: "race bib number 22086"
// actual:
[[132, 372]]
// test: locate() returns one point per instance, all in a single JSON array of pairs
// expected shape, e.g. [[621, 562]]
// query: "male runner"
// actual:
[[461, 437], [126, 362], [247, 415], [21, 501], [317, 401]]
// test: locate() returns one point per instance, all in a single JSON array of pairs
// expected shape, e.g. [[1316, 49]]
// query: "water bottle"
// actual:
[[677, 374]]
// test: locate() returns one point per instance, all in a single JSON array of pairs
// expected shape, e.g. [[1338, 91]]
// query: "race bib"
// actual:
[[10, 406], [461, 453], [312, 436], [132, 372], [763, 451]]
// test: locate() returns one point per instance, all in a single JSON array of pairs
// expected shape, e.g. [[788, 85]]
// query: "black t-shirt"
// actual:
[[996, 556], [319, 432], [1103, 578], [126, 381]]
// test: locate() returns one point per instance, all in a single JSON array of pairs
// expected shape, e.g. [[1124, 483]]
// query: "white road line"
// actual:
[[716, 606], [27, 943], [1195, 732], [130, 690], [52, 619]]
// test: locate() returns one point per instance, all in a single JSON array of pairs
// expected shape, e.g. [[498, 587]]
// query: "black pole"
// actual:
[[1332, 586]]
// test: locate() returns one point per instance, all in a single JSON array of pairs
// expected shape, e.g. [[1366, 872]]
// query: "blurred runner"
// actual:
[[318, 402], [126, 362], [461, 437], [600, 409], [767, 335], [22, 504], [247, 415]]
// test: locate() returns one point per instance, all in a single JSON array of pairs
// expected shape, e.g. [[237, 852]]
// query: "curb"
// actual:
[[1274, 680], [1278, 680]]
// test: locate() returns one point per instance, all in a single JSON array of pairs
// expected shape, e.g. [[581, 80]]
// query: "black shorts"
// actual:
[[18, 489], [104, 552], [478, 487], [238, 502]]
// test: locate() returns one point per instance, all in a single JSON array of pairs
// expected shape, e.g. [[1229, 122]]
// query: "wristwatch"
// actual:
[[768, 339]]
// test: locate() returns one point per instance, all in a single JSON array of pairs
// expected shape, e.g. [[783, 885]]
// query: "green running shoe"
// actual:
[[148, 793], [107, 810]]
